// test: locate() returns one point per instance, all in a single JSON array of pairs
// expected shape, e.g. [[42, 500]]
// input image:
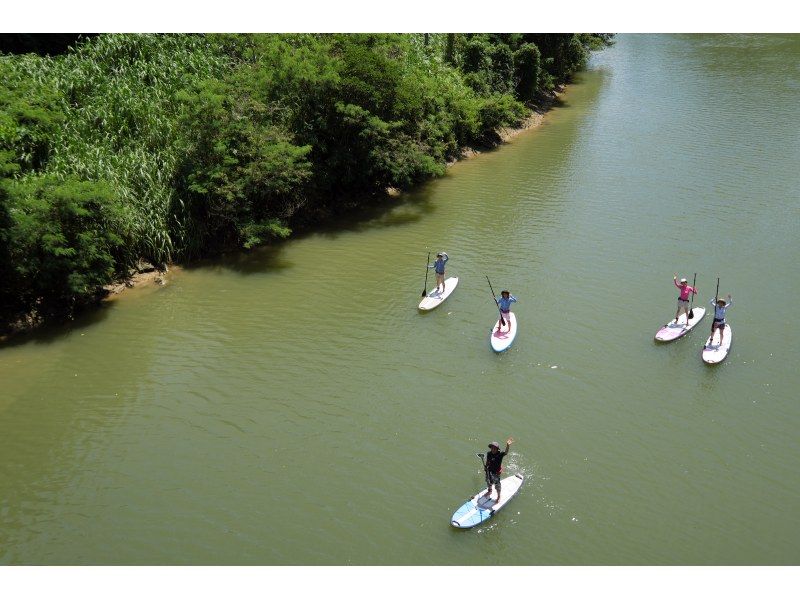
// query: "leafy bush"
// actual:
[[61, 242], [241, 174], [499, 111], [29, 116]]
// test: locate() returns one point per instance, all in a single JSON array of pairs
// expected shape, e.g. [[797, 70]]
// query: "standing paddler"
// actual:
[[494, 466], [683, 297], [504, 303], [438, 267], [720, 308]]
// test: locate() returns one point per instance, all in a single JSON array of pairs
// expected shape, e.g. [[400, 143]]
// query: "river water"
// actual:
[[292, 406]]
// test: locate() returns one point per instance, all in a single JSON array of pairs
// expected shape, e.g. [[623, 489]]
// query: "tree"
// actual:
[[527, 64]]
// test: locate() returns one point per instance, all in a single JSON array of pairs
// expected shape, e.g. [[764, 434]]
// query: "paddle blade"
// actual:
[[691, 314], [424, 294]]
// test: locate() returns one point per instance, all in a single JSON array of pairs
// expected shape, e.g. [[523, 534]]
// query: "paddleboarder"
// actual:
[[720, 307], [504, 303], [438, 267], [683, 298], [494, 466]]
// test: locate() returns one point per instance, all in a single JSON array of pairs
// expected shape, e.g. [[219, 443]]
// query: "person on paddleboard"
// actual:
[[504, 303], [683, 298], [438, 267], [494, 466], [720, 307]]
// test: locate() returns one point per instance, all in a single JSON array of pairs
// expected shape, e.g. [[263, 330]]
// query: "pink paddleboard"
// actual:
[[673, 330]]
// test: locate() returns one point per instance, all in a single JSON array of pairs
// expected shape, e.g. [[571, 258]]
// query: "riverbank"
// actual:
[[152, 275], [146, 274], [506, 134], [232, 162]]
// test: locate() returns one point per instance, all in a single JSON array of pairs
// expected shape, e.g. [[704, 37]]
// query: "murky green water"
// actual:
[[293, 407]]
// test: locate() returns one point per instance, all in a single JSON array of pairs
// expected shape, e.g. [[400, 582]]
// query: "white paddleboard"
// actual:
[[676, 329], [435, 298], [502, 340], [713, 352], [481, 507]]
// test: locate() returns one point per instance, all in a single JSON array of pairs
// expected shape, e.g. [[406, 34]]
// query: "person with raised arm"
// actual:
[[504, 303], [494, 466], [438, 267], [683, 297], [720, 307]]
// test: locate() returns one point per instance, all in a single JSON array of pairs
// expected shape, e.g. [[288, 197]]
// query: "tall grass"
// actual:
[[117, 93]]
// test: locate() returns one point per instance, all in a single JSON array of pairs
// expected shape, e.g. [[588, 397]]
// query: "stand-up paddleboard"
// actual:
[[481, 507], [502, 340], [713, 352], [435, 298], [676, 329]]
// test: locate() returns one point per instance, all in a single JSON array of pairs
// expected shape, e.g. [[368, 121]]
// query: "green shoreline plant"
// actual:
[[171, 147]]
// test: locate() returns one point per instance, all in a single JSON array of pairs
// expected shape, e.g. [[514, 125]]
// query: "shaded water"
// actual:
[[291, 406]]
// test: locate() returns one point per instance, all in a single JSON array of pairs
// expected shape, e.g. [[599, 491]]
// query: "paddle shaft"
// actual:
[[691, 304], [485, 470], [502, 321], [427, 263]]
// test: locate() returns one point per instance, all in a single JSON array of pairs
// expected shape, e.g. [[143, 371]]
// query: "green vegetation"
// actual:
[[169, 147]]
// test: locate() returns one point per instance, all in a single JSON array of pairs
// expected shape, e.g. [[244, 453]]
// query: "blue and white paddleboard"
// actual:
[[480, 507]]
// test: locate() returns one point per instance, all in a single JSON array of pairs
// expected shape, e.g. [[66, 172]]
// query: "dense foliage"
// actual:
[[165, 147]]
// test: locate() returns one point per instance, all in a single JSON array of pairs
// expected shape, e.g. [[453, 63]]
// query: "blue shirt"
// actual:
[[719, 312], [438, 265], [505, 304]]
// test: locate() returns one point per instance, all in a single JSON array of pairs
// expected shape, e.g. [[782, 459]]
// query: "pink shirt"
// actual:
[[685, 291]]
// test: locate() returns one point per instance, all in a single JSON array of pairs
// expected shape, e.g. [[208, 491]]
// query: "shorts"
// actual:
[[718, 324], [683, 303], [493, 479]]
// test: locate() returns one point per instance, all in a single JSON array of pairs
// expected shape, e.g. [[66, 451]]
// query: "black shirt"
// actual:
[[494, 461]]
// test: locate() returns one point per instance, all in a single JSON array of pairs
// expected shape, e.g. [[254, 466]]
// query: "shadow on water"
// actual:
[[408, 208], [268, 258], [54, 331]]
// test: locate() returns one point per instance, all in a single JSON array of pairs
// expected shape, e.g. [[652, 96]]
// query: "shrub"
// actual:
[[62, 241]]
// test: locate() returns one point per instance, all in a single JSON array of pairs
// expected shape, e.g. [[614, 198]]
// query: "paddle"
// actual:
[[502, 321], [485, 470], [425, 288], [691, 311]]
